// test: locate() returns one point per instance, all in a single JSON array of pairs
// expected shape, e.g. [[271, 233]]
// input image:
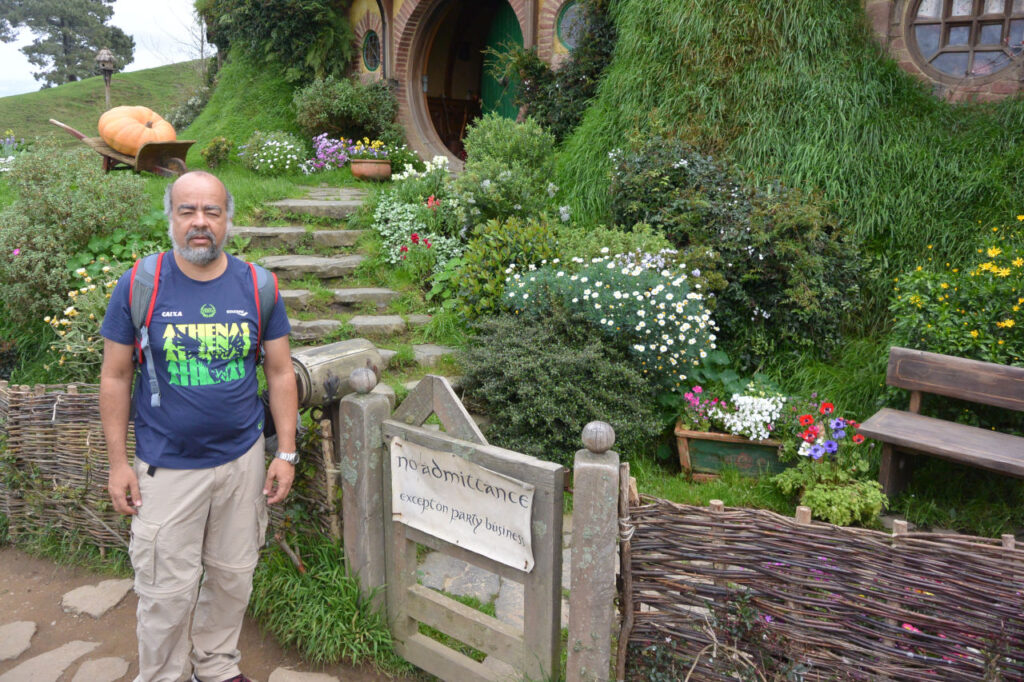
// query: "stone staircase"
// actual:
[[315, 265]]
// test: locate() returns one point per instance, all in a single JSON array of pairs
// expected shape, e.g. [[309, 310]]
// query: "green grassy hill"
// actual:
[[80, 104]]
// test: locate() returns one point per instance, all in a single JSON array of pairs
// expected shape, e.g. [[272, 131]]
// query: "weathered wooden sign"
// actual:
[[462, 503]]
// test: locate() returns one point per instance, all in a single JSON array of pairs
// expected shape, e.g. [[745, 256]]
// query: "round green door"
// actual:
[[504, 34]]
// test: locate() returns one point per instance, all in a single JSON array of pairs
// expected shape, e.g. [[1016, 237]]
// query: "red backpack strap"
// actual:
[[156, 287], [259, 313]]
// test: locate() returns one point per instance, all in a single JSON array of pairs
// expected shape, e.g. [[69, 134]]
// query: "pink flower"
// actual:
[[698, 389], [16, 252]]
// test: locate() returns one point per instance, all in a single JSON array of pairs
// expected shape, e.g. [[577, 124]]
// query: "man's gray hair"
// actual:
[[229, 210]]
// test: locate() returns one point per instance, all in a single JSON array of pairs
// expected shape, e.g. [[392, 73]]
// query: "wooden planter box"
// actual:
[[705, 455]]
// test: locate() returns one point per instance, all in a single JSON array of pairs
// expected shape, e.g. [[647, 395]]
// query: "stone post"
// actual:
[[592, 559], [361, 447]]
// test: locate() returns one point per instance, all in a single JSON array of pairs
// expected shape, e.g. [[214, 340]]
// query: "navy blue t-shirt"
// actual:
[[203, 337]]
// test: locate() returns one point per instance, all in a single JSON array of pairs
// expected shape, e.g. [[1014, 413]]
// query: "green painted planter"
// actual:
[[704, 455]]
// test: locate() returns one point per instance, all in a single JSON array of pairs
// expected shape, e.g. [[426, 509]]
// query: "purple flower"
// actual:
[[837, 423], [816, 451], [839, 434], [831, 446], [16, 252]]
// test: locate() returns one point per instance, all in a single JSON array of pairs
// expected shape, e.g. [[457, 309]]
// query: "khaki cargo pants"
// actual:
[[196, 523]]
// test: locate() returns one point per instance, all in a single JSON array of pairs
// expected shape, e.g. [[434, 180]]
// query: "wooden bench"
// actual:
[[904, 434]]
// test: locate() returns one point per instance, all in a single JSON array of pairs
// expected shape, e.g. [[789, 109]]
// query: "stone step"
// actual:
[[339, 209], [345, 300], [324, 267], [305, 331], [325, 192], [377, 325], [429, 354], [294, 235]]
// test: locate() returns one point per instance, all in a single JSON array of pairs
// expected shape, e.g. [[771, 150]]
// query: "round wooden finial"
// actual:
[[598, 437], [362, 380]]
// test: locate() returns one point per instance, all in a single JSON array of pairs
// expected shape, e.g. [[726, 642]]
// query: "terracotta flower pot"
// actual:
[[371, 169], [704, 454]]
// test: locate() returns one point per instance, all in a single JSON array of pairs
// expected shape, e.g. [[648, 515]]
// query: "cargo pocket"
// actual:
[[262, 518], [143, 551]]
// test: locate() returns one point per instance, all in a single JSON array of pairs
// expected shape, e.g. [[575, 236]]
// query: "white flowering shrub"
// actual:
[[402, 227], [665, 325], [750, 416], [274, 153]]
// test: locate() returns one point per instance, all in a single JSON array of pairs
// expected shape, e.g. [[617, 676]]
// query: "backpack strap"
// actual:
[[144, 284], [265, 290]]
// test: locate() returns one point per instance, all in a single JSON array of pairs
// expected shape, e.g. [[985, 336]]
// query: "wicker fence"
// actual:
[[716, 593], [54, 477]]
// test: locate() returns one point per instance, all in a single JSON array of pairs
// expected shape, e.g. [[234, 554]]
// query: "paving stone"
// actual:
[[385, 356], [428, 354], [417, 320], [324, 191], [296, 299], [15, 638], [311, 330], [336, 238], [96, 600], [286, 675], [270, 235], [508, 607], [326, 208], [378, 295], [442, 572], [384, 389], [324, 267], [101, 670], [377, 325], [49, 667]]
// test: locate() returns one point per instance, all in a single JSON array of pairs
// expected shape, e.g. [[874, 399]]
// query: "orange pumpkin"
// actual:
[[126, 129]]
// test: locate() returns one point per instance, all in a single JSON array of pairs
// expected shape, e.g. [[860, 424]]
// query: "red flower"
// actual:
[[858, 438], [808, 436], [415, 238], [853, 424], [806, 419], [404, 248], [815, 429], [827, 408], [426, 242], [433, 203]]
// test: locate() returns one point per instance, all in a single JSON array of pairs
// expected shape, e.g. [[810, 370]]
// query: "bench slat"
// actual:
[[956, 442], [979, 382]]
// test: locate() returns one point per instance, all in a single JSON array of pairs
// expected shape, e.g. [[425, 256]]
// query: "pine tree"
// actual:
[[68, 33]]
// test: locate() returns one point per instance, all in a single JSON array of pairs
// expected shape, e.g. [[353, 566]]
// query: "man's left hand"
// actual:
[[283, 474]]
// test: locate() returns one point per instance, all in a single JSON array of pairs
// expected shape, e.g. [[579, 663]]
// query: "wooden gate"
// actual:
[[532, 653]]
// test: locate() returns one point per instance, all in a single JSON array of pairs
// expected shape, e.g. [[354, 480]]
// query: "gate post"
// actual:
[[592, 559], [360, 416]]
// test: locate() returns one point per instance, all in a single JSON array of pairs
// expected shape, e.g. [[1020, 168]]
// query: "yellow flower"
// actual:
[[1002, 272], [1018, 261], [1006, 324], [1020, 217], [974, 333], [994, 251], [944, 285]]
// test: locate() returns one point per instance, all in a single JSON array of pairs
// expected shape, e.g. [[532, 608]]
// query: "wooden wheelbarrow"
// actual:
[[161, 158]]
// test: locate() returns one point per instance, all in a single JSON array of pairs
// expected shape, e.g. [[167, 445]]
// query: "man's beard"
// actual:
[[203, 255]]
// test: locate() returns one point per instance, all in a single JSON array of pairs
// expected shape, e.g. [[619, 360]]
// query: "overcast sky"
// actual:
[[163, 32]]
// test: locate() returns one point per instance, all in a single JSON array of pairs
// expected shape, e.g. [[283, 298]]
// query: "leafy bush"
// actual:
[[273, 153], [349, 109], [217, 151], [495, 247], [310, 38], [189, 110], [784, 276], [508, 170], [403, 226], [652, 314], [970, 309], [64, 200], [543, 379], [593, 242], [557, 99], [77, 352]]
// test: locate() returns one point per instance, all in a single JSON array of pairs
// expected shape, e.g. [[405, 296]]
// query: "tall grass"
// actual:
[[798, 90]]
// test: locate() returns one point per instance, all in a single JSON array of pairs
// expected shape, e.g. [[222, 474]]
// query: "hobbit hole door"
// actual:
[[504, 35]]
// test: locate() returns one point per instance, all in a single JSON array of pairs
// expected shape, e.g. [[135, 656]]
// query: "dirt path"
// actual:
[[31, 590]]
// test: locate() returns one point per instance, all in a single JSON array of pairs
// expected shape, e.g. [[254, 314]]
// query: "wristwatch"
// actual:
[[290, 457]]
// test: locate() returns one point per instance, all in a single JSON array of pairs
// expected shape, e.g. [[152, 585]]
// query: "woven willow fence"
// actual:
[[54, 473], [717, 593]]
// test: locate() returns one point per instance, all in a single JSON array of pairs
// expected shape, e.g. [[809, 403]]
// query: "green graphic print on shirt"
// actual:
[[206, 354]]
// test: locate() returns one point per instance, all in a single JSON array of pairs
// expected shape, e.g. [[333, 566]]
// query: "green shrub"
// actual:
[[189, 110], [783, 275], [407, 228], [495, 247], [651, 313], [349, 109], [508, 169], [64, 200], [970, 309], [217, 151], [587, 243], [273, 153], [541, 380]]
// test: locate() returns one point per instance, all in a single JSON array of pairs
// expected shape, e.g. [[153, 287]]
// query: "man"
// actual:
[[198, 490]]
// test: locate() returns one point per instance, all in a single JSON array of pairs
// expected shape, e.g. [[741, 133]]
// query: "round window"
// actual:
[[966, 38], [570, 24], [371, 51]]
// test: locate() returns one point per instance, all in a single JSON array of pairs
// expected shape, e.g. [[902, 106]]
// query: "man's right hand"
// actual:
[[121, 485]]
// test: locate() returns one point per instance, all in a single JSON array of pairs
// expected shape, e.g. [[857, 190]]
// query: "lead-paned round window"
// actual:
[[371, 51], [966, 38], [570, 24]]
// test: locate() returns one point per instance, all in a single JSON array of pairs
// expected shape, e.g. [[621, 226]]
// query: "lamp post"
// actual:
[[105, 62]]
